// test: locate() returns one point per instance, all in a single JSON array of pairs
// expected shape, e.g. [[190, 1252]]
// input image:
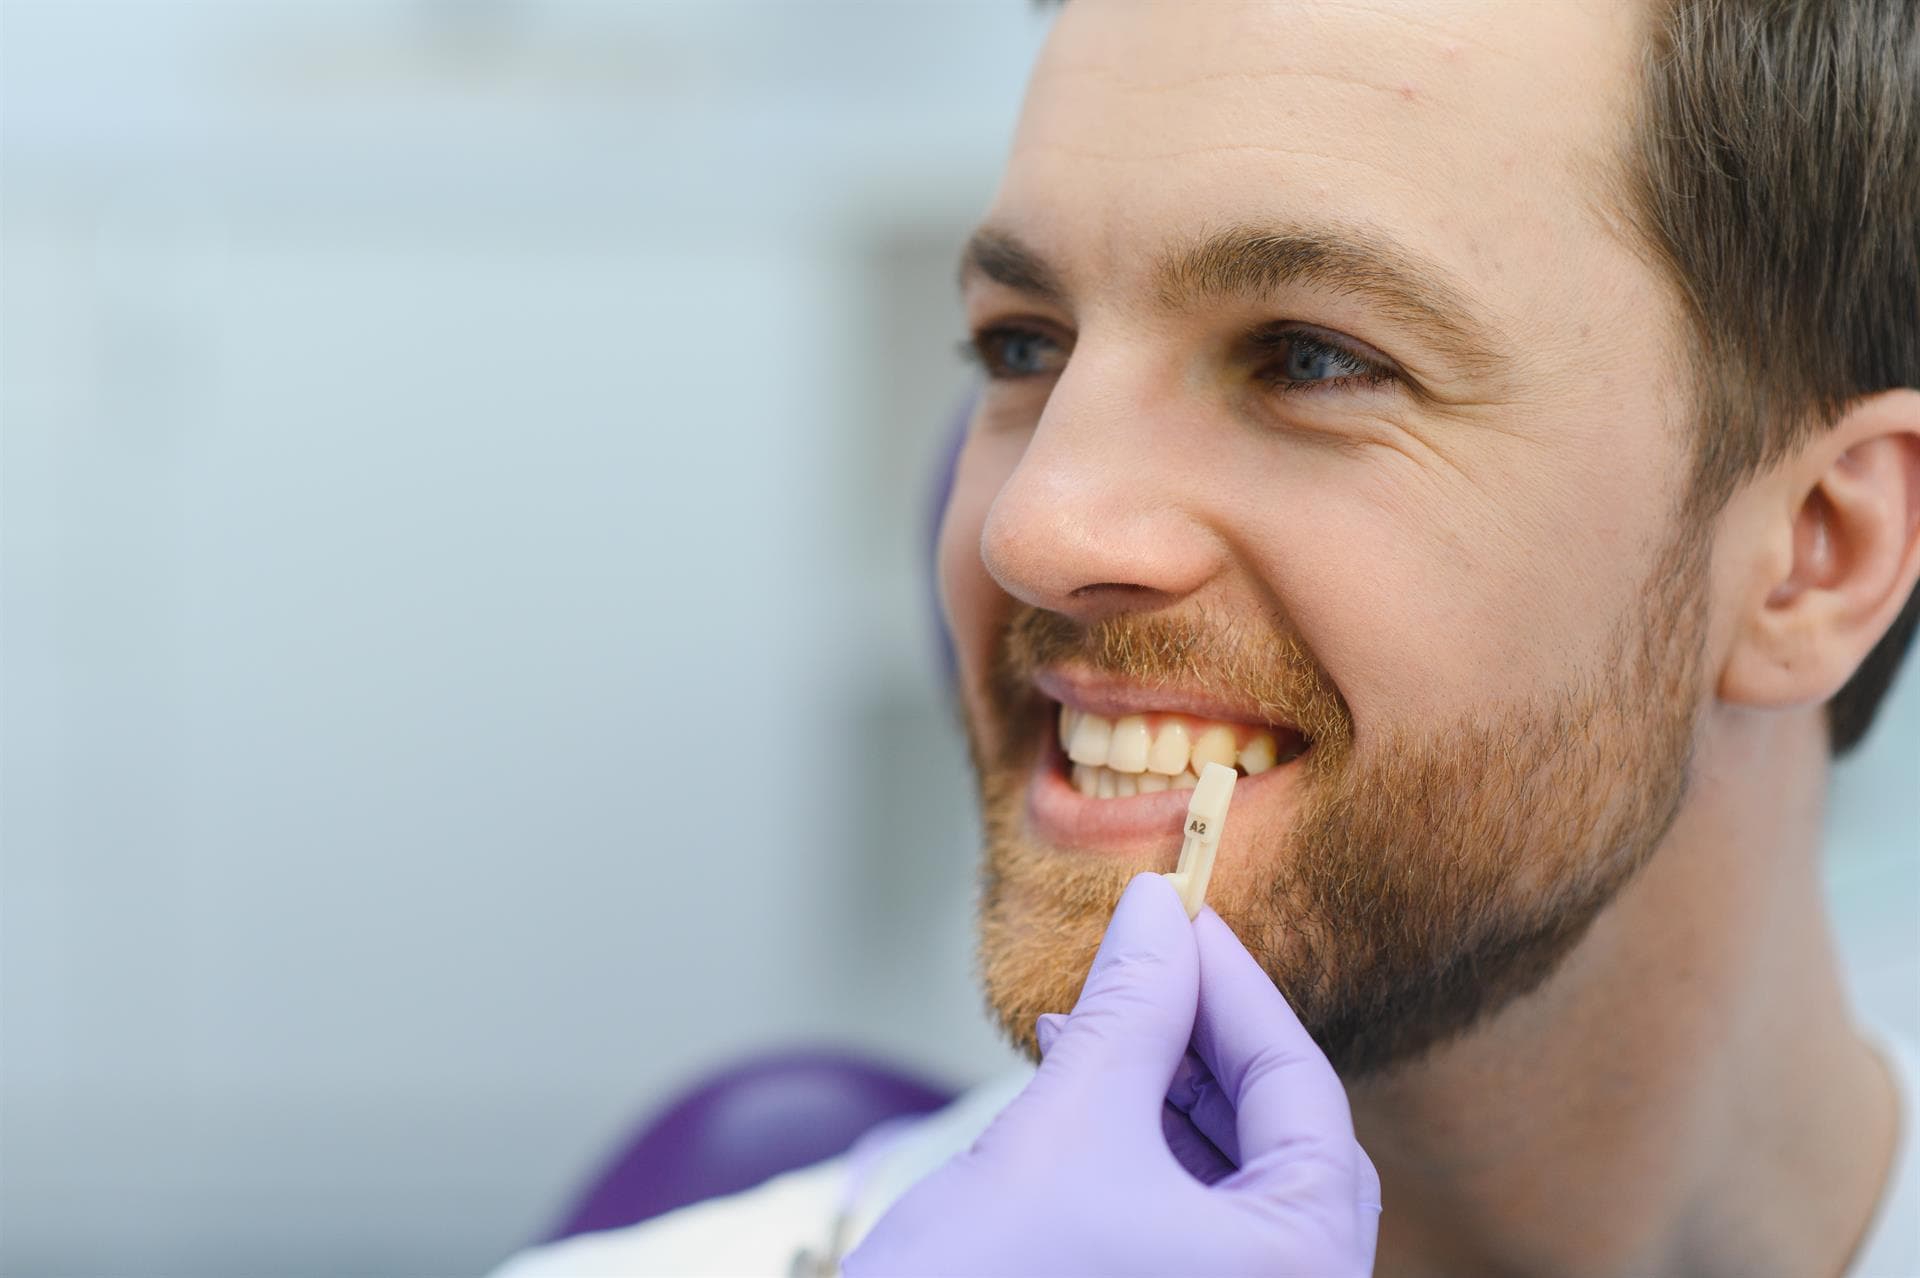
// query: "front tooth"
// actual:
[[1258, 754], [1153, 783], [1185, 781], [1104, 789], [1214, 746], [1127, 752], [1084, 780], [1091, 736], [1169, 754], [1067, 718], [1125, 785]]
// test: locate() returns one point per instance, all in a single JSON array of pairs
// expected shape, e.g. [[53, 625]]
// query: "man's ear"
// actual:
[[1852, 528]]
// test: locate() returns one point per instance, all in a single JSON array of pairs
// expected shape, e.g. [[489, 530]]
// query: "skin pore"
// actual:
[[1324, 382]]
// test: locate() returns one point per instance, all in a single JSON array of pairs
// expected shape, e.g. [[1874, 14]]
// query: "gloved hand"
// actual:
[[1078, 1176]]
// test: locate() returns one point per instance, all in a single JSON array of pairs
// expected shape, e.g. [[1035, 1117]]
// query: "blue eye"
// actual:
[[1305, 362], [1312, 363], [1009, 353]]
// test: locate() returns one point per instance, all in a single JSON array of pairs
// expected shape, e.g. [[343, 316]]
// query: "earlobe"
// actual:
[[1854, 534]]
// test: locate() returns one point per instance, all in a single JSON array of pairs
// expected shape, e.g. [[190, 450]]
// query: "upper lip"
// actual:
[[1111, 697]]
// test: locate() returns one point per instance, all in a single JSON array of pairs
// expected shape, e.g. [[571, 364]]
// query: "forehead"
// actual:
[[1485, 133]]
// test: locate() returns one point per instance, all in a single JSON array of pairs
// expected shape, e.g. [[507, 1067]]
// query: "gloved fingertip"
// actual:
[[1046, 1030], [1212, 927], [1148, 945], [1149, 914], [1147, 886]]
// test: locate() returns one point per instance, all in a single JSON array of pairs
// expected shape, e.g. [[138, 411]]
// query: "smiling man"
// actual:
[[1492, 428]]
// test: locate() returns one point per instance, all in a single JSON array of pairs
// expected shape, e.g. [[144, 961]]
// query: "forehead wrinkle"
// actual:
[[1252, 263], [1138, 155], [1237, 78]]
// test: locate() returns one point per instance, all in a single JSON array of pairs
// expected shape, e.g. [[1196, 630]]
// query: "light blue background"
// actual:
[[467, 664]]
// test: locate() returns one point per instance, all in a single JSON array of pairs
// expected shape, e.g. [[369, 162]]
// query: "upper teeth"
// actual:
[[1128, 745]]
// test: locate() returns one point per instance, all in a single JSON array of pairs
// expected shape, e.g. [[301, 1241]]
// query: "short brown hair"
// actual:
[[1775, 172]]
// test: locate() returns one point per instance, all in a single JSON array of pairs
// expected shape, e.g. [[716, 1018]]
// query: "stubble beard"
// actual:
[[1425, 882]]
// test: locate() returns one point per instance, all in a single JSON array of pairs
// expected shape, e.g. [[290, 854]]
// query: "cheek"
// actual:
[[1429, 595]]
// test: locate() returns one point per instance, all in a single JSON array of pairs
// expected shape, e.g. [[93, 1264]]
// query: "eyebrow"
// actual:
[[1001, 256], [1252, 263]]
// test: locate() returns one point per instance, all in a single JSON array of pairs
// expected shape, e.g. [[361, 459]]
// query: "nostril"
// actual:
[[1111, 587]]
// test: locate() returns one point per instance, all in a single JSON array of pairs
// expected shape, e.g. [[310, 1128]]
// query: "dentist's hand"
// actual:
[[1128, 1153]]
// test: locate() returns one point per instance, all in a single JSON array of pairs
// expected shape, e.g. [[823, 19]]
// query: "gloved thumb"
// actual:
[[1130, 1027]]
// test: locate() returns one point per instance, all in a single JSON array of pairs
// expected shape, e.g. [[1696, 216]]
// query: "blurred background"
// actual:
[[465, 471]]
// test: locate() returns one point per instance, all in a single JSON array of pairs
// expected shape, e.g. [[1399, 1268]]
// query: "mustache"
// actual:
[[1270, 667]]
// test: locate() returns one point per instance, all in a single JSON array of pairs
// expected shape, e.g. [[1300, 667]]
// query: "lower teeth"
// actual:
[[1105, 783]]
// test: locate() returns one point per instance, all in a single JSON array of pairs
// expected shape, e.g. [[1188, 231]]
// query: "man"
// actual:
[[1492, 427]]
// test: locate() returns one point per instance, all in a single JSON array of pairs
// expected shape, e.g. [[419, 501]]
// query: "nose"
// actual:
[[1101, 514]]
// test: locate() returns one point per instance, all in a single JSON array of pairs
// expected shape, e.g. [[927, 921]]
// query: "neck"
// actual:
[[1687, 1095]]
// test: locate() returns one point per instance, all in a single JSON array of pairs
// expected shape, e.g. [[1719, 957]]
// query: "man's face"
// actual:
[[1328, 402]]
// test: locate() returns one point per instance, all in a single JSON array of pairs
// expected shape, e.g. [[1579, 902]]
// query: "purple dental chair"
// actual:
[[742, 1126]]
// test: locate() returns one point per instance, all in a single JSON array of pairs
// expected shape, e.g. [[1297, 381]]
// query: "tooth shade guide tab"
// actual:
[[1206, 818]]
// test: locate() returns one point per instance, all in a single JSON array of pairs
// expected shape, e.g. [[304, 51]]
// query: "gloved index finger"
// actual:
[[1283, 1090], [1134, 1017]]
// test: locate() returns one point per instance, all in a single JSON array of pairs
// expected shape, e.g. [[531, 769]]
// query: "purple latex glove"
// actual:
[[1129, 1153]]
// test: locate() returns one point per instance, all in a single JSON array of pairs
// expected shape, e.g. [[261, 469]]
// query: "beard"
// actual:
[[1423, 883]]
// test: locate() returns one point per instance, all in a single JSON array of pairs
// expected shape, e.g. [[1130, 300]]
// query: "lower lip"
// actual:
[[1062, 817]]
